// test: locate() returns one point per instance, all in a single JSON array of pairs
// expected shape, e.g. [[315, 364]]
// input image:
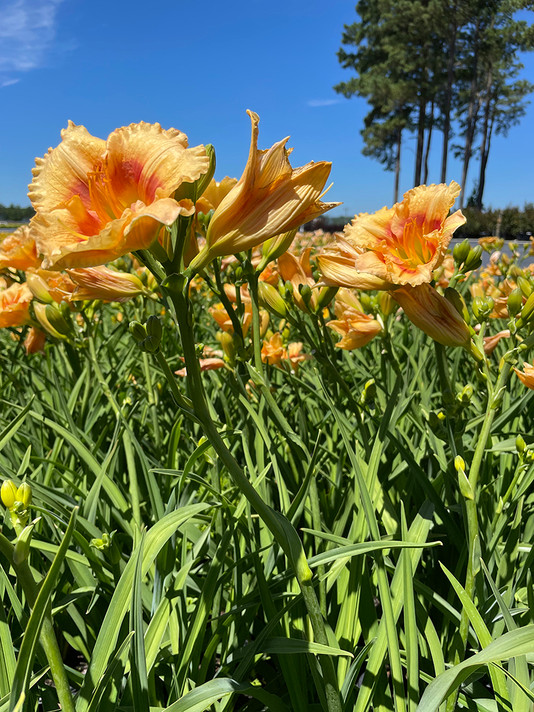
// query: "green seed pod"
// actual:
[[520, 444], [461, 252], [150, 344], [8, 493], [515, 301], [474, 259]]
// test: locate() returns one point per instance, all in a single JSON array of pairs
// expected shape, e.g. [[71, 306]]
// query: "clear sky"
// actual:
[[197, 66]]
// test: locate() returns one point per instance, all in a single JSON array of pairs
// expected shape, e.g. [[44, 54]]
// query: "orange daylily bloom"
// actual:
[[269, 199], [273, 351], [97, 200], [395, 246], [18, 250], [433, 314], [356, 327], [105, 284], [34, 341], [15, 305], [212, 197], [526, 376], [295, 355]]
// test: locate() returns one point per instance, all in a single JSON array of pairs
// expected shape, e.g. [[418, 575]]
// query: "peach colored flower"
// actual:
[[395, 246], [298, 271], [105, 284], [97, 200], [526, 376], [34, 341], [273, 351], [433, 314], [269, 199], [354, 326], [18, 250], [212, 197], [295, 356], [15, 305]]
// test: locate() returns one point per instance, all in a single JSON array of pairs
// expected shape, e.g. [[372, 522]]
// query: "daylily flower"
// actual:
[[15, 305], [49, 286], [490, 342], [433, 314], [269, 199], [97, 200], [395, 246], [273, 351], [356, 327], [18, 250], [34, 341], [526, 376]]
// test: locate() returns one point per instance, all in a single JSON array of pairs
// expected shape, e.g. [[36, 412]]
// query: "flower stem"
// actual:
[[279, 526]]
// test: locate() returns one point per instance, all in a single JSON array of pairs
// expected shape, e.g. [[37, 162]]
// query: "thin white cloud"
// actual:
[[27, 32], [322, 102]]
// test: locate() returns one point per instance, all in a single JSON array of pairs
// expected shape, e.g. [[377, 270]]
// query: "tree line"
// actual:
[[14, 213], [437, 65]]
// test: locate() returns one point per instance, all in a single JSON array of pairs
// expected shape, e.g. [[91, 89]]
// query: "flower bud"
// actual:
[[525, 286], [56, 320], [474, 259], [276, 246], [528, 309], [326, 294], [270, 298], [137, 330], [305, 293], [24, 494], [482, 308], [520, 444], [461, 252], [369, 391], [465, 486], [226, 341], [38, 287], [153, 328], [515, 301], [8, 493], [386, 303], [42, 318], [455, 298]]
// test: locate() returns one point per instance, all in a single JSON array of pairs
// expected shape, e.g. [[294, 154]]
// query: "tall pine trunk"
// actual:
[[397, 166], [448, 93], [472, 115], [420, 139], [428, 140]]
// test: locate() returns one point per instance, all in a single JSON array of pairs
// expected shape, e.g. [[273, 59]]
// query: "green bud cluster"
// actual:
[[467, 258], [147, 336]]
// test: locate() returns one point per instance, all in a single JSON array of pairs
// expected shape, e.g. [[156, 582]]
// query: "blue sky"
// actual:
[[198, 67]]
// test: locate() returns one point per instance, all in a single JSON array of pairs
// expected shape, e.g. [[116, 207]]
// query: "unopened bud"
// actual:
[[482, 307], [461, 252], [226, 341], [386, 303], [8, 493], [520, 444], [455, 298], [525, 286], [276, 246], [465, 486], [369, 391], [41, 316], [57, 320], [38, 287], [528, 309], [515, 301], [474, 259], [305, 293], [326, 294], [24, 495], [137, 330], [153, 328], [270, 299]]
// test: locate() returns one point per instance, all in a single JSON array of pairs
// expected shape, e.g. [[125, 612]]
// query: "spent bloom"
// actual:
[[395, 246], [526, 376], [96, 200], [269, 199], [105, 284]]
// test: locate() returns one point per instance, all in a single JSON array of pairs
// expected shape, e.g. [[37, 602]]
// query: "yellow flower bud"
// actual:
[[24, 494], [8, 493]]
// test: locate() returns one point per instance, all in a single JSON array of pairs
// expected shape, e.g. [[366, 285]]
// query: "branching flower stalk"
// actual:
[[280, 527]]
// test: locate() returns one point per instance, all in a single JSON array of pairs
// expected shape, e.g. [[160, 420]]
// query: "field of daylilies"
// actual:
[[246, 467]]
